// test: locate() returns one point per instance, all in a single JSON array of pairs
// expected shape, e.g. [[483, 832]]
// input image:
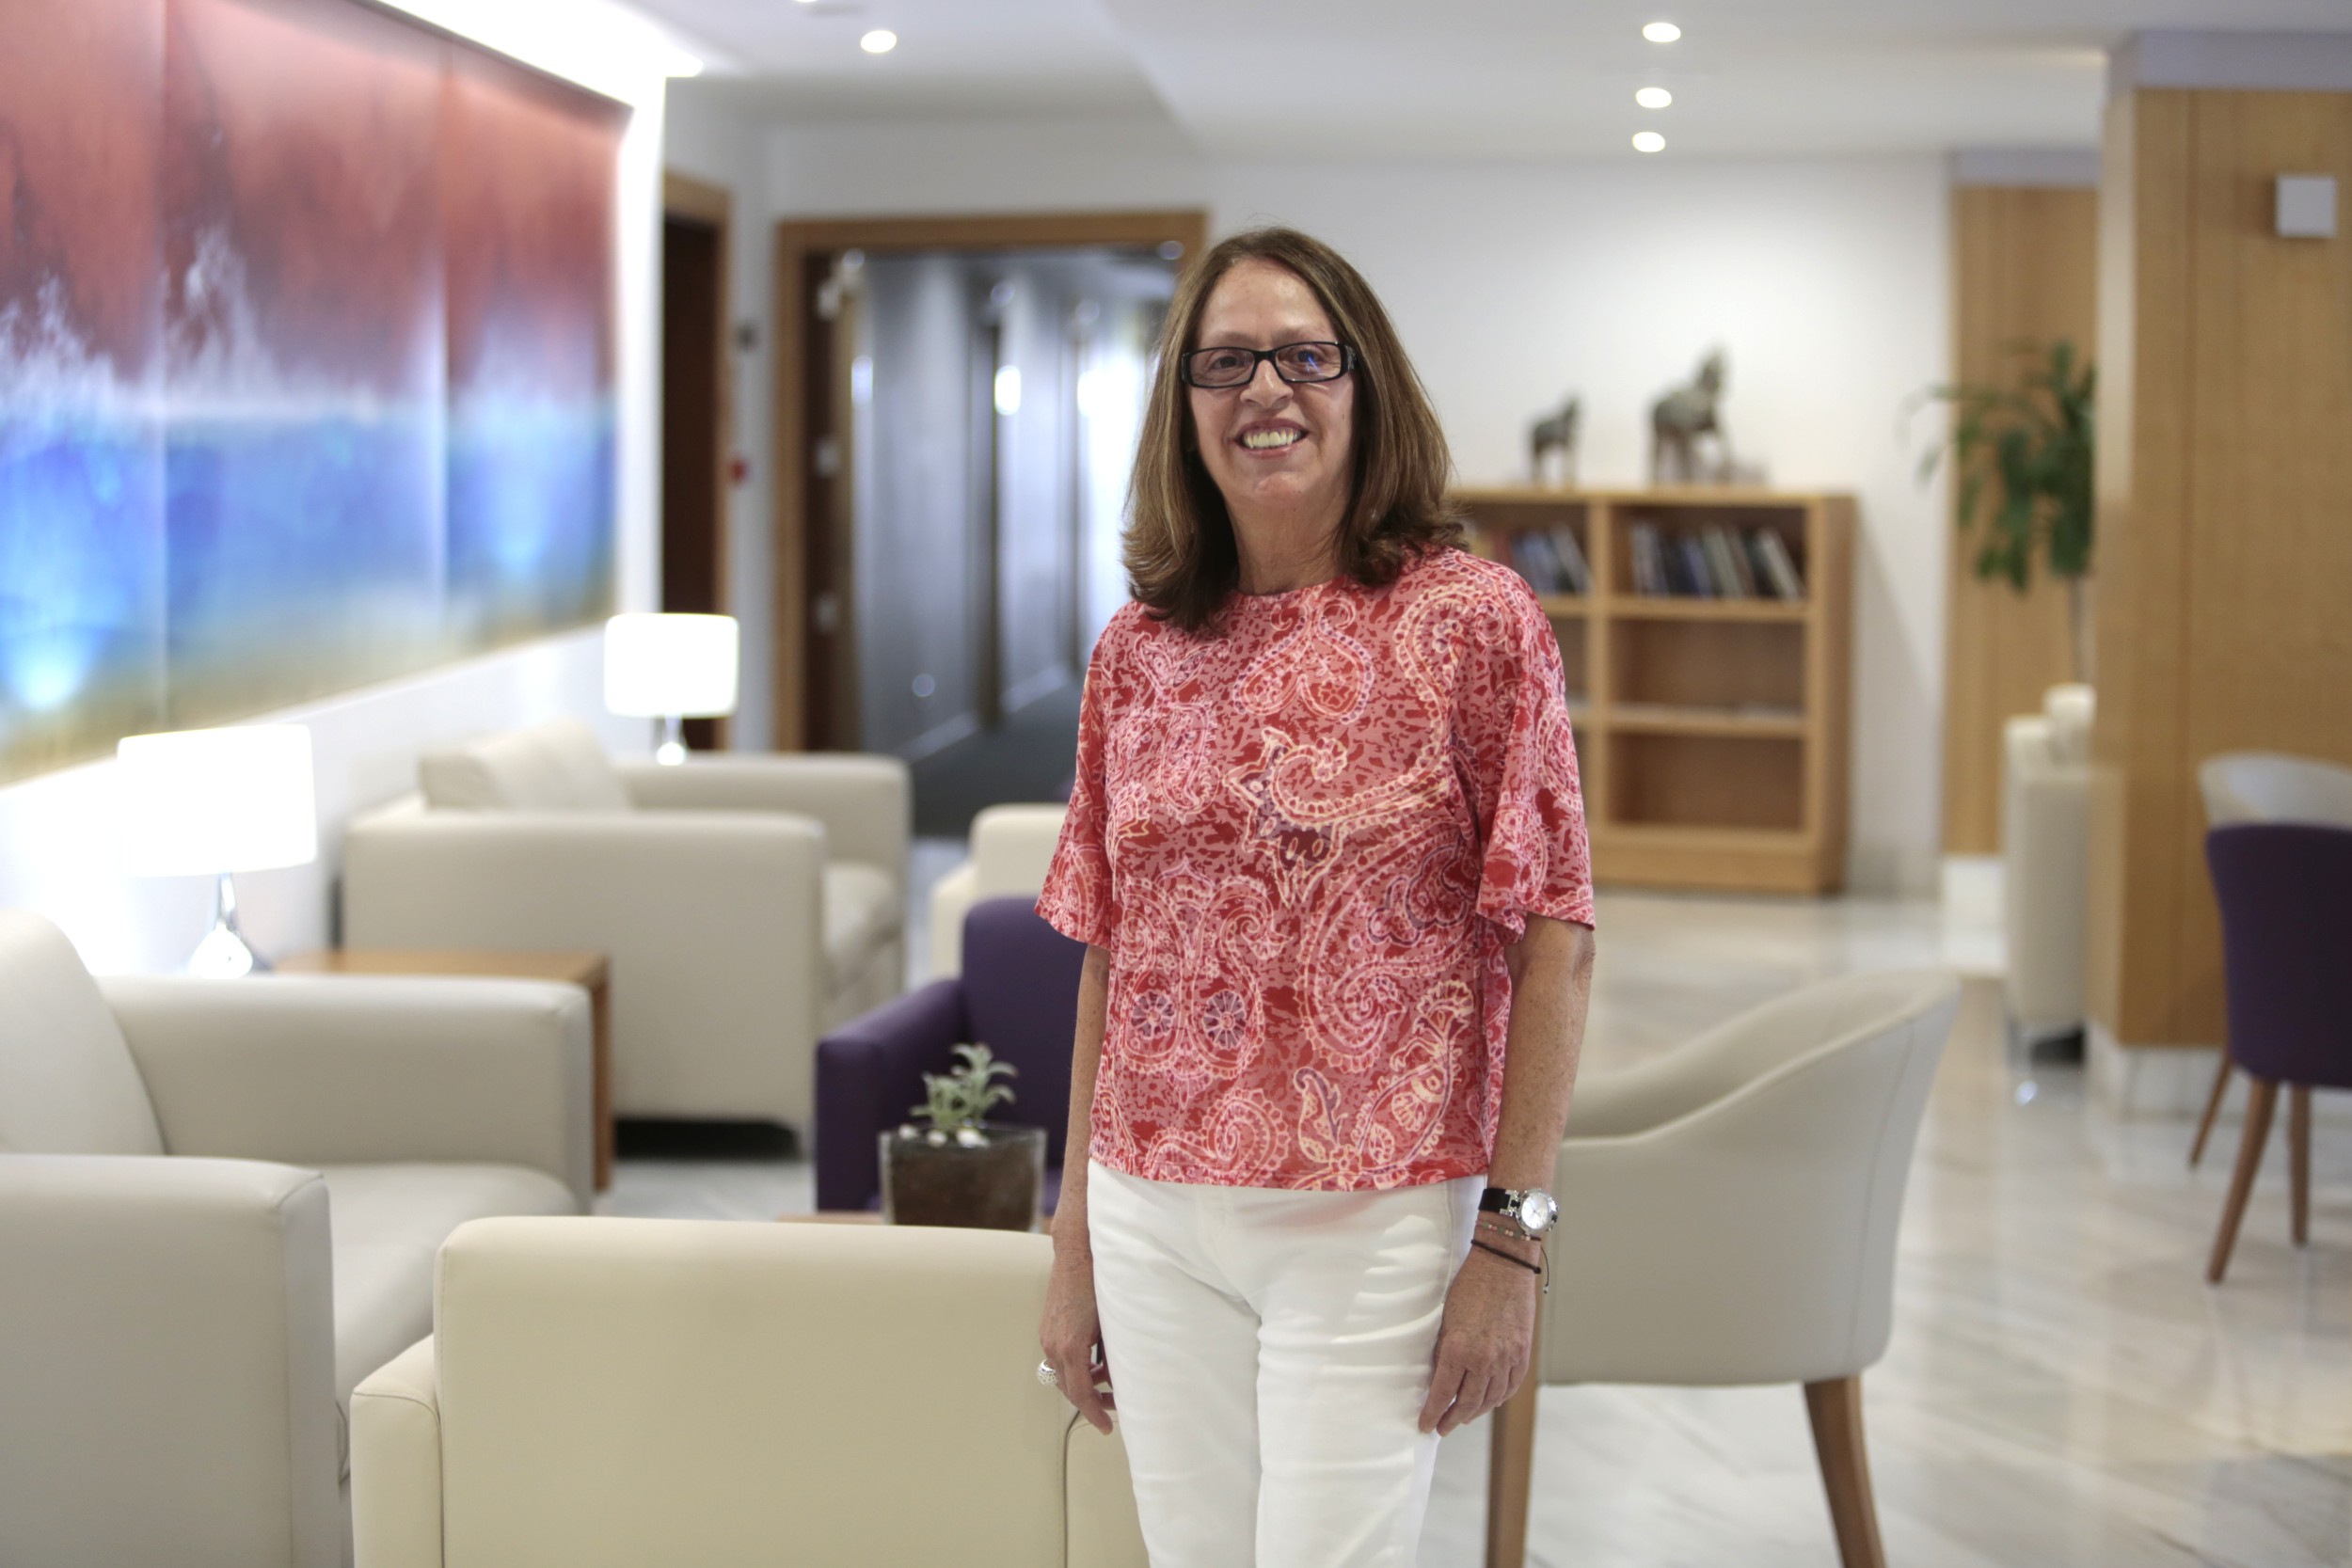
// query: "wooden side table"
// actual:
[[591, 972]]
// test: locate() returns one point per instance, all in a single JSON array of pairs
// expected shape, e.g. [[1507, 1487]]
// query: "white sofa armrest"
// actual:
[[396, 1463], [1103, 1530], [1013, 849], [952, 897], [350, 1070], [167, 1363], [713, 920], [865, 803]]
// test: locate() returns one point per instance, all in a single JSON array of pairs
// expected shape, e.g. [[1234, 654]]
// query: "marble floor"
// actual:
[[2062, 1389]]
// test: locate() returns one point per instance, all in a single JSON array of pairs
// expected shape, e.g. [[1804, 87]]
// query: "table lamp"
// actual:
[[212, 803], [672, 668]]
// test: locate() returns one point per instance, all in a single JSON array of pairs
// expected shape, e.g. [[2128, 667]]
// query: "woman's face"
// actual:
[[1272, 446]]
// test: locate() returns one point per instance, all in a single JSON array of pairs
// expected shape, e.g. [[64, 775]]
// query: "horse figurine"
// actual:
[[1555, 433], [1678, 419]]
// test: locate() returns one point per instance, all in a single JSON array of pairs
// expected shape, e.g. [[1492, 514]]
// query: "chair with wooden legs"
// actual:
[[2264, 787], [1727, 1216], [2285, 891]]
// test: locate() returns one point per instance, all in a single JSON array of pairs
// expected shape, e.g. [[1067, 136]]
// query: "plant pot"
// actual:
[[990, 1185]]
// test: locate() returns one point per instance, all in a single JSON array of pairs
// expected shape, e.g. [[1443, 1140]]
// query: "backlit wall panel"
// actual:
[[305, 360]]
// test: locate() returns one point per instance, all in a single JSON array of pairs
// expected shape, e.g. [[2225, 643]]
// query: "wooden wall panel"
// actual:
[[2222, 620], [2025, 269]]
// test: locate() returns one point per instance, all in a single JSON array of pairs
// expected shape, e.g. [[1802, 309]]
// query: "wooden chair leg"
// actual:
[[2299, 1158], [1510, 1468], [2261, 1096], [1835, 1409], [2213, 1109]]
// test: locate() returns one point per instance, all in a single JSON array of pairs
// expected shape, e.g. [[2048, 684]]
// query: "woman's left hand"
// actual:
[[1484, 1341]]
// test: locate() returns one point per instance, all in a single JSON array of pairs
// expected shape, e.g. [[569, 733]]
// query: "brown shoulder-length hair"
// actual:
[[1181, 557]]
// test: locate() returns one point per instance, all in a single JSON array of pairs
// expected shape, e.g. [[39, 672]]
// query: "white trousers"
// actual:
[[1270, 1352]]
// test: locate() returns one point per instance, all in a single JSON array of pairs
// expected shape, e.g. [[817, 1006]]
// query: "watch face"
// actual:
[[1536, 1212]]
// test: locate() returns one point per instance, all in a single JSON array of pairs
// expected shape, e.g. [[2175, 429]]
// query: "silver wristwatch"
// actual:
[[1532, 1211]]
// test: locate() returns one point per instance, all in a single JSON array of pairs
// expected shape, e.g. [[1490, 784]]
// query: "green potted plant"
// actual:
[[964, 1169], [2030, 444]]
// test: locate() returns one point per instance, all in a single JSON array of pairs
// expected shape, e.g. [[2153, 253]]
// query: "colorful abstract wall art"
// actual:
[[305, 360]]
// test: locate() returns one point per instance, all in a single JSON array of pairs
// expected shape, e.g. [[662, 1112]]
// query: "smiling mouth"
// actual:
[[1272, 440]]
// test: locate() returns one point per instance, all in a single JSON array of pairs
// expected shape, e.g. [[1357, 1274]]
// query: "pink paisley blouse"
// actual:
[[1305, 841]]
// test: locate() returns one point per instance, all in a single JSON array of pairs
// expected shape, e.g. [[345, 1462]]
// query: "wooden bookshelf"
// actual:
[[1710, 733]]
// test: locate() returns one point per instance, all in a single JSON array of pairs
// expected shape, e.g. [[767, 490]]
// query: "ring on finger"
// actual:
[[1048, 1374]]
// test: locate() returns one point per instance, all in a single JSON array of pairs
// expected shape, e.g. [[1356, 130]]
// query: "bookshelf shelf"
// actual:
[[1711, 730], [1658, 606], [1670, 719]]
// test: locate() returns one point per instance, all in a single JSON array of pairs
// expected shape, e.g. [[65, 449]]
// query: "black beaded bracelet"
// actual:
[[1508, 1257]]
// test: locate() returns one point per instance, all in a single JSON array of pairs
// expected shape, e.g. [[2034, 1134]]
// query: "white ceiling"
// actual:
[[1283, 79]]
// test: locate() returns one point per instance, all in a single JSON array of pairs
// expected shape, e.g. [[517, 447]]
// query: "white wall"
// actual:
[[1514, 284], [58, 853], [702, 140]]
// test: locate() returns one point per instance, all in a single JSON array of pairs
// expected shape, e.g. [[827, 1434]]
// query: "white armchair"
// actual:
[[611, 1393], [1012, 849], [2272, 786], [2045, 839], [746, 903], [181, 1319], [1728, 1215]]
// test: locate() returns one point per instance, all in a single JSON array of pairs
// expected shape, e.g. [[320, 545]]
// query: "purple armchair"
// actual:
[[1018, 995], [2285, 891]]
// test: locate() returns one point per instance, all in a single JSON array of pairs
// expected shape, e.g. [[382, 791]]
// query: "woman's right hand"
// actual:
[[1071, 1336]]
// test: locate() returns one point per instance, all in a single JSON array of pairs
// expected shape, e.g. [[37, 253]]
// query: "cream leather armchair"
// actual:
[[219, 1205], [2273, 787], [747, 903], [1013, 848], [624, 1392], [1729, 1213], [2045, 839]]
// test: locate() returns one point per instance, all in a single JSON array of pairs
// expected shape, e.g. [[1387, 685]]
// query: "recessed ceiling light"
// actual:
[[881, 41], [1653, 97], [1661, 32], [1648, 141]]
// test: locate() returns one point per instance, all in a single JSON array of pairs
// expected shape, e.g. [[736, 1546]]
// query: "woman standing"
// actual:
[[1326, 851]]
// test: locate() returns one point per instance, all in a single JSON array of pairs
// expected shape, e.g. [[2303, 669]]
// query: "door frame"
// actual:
[[799, 243], [700, 201]]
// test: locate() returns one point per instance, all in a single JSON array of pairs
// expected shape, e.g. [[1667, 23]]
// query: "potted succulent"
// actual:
[[963, 1169]]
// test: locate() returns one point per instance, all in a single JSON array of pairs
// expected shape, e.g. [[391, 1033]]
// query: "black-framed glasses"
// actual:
[[1215, 368]]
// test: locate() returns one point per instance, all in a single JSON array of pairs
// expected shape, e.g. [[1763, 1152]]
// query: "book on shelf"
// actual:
[[1751, 547], [1722, 567], [1548, 566], [1696, 581], [1731, 563], [1714, 563], [1528, 560], [1570, 551], [1788, 583], [1649, 570]]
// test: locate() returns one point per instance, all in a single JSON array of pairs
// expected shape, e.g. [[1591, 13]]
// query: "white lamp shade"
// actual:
[[659, 665], [198, 802]]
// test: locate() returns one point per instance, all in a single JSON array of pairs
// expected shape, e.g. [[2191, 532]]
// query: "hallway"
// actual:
[[1029, 758]]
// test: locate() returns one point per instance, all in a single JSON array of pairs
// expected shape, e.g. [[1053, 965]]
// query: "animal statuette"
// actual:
[[1680, 419], [1554, 435]]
